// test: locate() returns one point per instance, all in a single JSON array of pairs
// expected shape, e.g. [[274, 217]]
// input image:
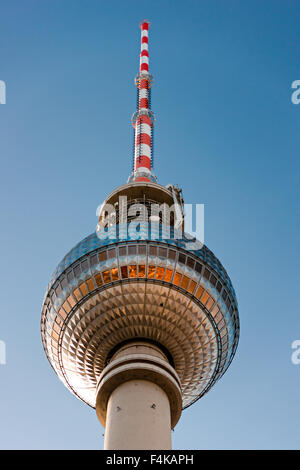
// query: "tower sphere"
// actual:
[[108, 291]]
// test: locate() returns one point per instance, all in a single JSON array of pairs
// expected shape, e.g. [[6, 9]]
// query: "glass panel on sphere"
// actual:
[[83, 288], [114, 274], [77, 293], [152, 250], [122, 251], [199, 292], [94, 260], [181, 258], [198, 268], [64, 282], [219, 287], [112, 253], [58, 320], [210, 303], [98, 279], [62, 313], [55, 335], [124, 272], [106, 276], [102, 256], [206, 273], [177, 278], [66, 306], [56, 328], [84, 265], [151, 271], [132, 250], [168, 275], [192, 287], [160, 273], [58, 290], [162, 252], [205, 297], [142, 249], [77, 270], [184, 282], [132, 270], [90, 284], [142, 270], [71, 300], [215, 310]]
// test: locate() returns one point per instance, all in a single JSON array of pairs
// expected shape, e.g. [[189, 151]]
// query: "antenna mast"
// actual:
[[143, 119]]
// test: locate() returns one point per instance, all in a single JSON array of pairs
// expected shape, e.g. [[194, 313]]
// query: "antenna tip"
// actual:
[[144, 24]]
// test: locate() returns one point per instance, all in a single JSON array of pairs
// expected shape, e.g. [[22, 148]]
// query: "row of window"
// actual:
[[153, 250], [92, 242]]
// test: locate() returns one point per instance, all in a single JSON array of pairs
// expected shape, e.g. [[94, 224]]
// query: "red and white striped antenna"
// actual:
[[143, 119]]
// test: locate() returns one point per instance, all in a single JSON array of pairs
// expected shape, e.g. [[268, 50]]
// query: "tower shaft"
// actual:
[[139, 398]]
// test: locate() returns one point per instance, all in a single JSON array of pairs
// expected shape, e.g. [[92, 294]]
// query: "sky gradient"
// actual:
[[227, 133]]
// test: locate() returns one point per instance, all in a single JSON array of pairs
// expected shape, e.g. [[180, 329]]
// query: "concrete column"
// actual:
[[139, 399], [138, 417]]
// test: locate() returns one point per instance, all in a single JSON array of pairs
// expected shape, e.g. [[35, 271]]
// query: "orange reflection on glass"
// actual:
[[83, 288], [192, 286], [54, 335], [168, 275], [98, 279], [132, 270], [210, 303], [77, 294], [205, 297], [71, 301], [114, 274], [176, 279], [199, 292], [142, 270], [160, 273], [184, 282], [66, 306], [90, 284], [106, 276], [62, 313], [151, 272]]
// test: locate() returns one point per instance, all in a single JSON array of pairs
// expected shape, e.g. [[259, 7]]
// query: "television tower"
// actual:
[[134, 322]]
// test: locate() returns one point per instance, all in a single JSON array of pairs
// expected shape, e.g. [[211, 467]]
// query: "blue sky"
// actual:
[[227, 133]]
